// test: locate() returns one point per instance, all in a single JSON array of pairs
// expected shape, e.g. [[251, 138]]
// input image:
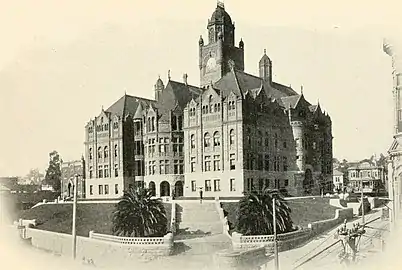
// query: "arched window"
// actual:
[[232, 137], [248, 136], [174, 122], [217, 139], [115, 150], [211, 98], [215, 107], [90, 153], [100, 152], [259, 138], [266, 142], [207, 140], [149, 124], [276, 140], [153, 124], [106, 152], [192, 141]]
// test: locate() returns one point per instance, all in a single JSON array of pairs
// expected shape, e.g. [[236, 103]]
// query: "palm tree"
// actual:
[[255, 214], [139, 215]]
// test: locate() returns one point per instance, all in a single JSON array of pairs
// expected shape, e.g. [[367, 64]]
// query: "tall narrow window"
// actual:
[[266, 163], [106, 152], [217, 163], [231, 137], [285, 164], [232, 161], [90, 172], [207, 140], [174, 122], [232, 185], [207, 163], [217, 139], [106, 189], [207, 185], [91, 190], [192, 141], [100, 172], [116, 170], [192, 164], [180, 122], [116, 189], [90, 153], [106, 170], [115, 150], [217, 185], [100, 189], [99, 152], [193, 186]]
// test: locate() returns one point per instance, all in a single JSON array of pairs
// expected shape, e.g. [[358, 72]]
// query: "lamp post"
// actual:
[[74, 231]]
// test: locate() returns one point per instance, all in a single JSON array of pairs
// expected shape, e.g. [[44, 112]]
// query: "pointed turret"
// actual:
[[138, 112]]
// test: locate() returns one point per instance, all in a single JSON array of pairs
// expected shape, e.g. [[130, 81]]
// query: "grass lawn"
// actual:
[[304, 211], [91, 216]]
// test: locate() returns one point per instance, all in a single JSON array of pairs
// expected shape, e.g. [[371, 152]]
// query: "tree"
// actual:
[[53, 173], [255, 214], [34, 176], [139, 215]]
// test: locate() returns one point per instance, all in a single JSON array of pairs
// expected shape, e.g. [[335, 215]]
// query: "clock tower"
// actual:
[[219, 55]]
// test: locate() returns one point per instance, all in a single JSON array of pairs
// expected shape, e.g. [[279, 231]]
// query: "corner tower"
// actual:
[[220, 54]]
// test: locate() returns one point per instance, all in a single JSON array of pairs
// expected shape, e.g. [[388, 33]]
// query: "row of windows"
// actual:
[[103, 171], [364, 174], [176, 147], [217, 185], [103, 152], [212, 108], [164, 167], [103, 189], [216, 163], [265, 183], [263, 163], [216, 139]]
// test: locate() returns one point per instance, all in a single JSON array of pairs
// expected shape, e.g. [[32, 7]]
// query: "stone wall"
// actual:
[[325, 225], [101, 252], [286, 241], [293, 239]]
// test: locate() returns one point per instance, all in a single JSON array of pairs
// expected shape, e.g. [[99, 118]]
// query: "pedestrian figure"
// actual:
[[201, 196]]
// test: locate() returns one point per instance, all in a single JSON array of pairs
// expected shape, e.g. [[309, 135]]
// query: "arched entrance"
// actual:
[[308, 182], [165, 188], [152, 187], [69, 192], [178, 189]]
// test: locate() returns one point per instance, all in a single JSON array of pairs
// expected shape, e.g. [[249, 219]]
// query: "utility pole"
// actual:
[[362, 198], [74, 231], [275, 240]]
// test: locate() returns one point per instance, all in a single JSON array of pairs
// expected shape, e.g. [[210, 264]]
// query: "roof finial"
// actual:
[[221, 3], [265, 51], [301, 89], [169, 74]]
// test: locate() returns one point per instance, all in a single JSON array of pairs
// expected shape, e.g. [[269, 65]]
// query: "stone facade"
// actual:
[[235, 133], [68, 171], [393, 49]]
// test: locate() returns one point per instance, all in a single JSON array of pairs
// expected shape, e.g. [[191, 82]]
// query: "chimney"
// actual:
[[185, 78]]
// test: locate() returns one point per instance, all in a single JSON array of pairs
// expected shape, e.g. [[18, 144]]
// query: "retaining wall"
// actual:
[[102, 250]]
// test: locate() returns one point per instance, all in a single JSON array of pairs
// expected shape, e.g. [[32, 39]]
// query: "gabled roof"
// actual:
[[128, 105], [177, 94], [290, 101], [240, 83], [336, 172]]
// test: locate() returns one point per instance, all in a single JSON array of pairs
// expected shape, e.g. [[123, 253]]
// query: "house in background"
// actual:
[[338, 180], [68, 171], [367, 175]]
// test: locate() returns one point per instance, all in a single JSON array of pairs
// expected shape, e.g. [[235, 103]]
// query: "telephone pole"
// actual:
[[74, 231], [275, 240], [362, 198]]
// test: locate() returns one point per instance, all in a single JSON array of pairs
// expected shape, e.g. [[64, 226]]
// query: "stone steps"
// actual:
[[198, 219]]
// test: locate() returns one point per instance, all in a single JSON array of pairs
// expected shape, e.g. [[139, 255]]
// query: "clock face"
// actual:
[[211, 64]]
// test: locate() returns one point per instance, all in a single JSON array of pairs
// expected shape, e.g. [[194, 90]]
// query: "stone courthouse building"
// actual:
[[234, 133]]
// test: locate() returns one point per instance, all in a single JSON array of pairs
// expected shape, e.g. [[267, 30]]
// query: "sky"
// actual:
[[62, 61]]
